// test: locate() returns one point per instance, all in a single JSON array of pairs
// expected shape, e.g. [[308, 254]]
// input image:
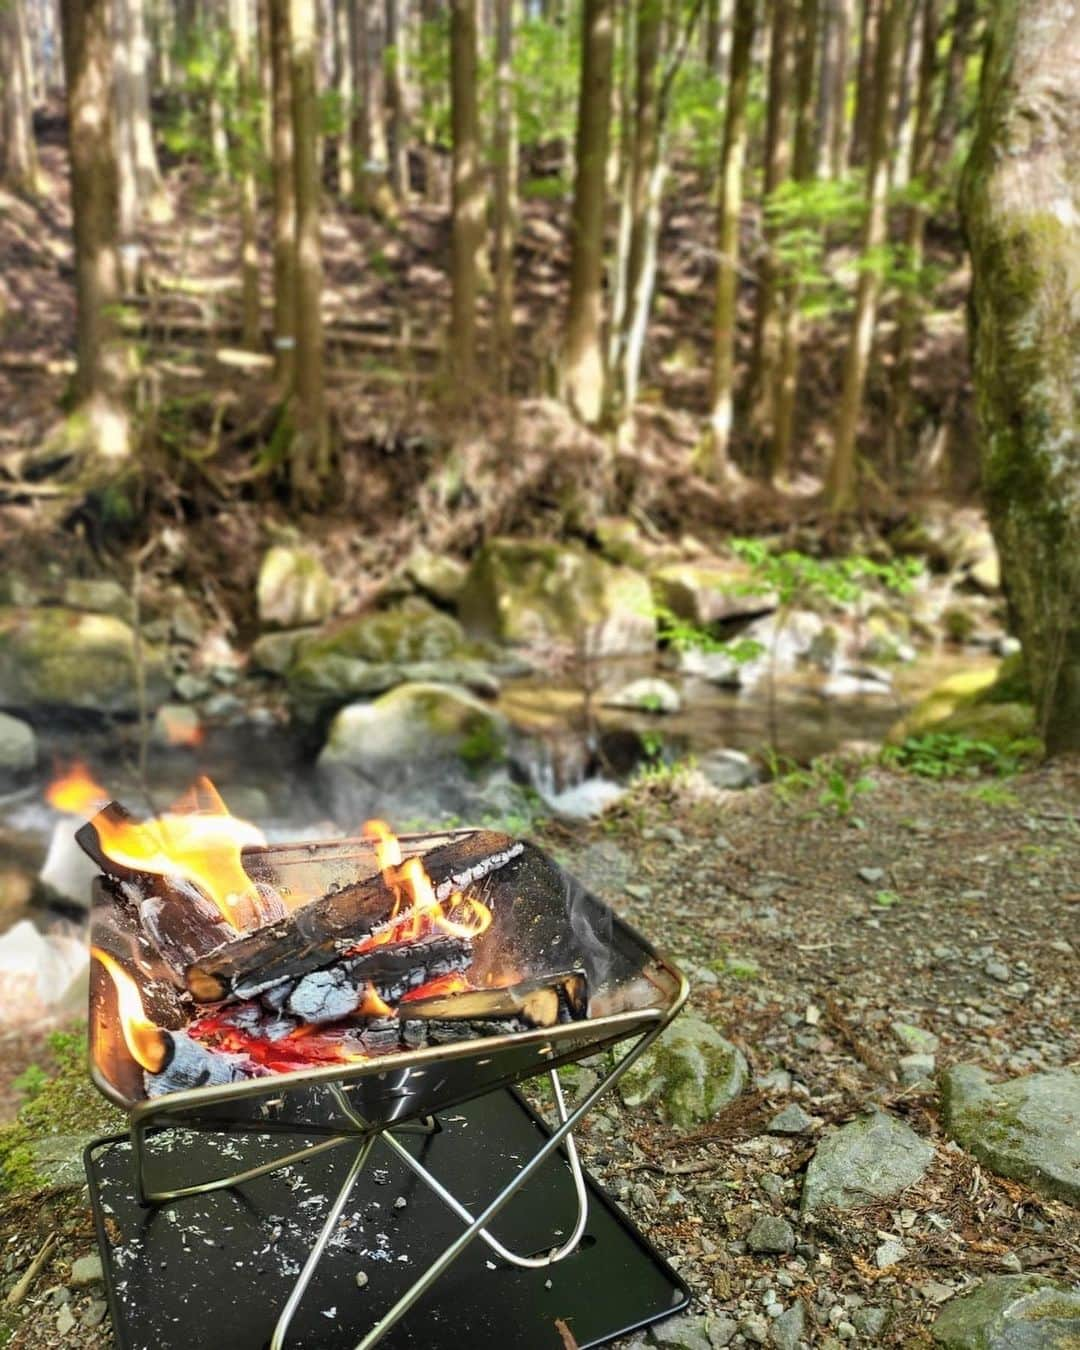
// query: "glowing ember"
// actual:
[[423, 914], [145, 1041], [438, 988]]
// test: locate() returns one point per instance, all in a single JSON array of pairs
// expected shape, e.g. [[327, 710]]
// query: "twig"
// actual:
[[568, 1339], [22, 1288]]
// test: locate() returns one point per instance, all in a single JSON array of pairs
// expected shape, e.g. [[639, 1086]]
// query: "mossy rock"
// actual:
[[415, 724], [691, 1073], [60, 658], [706, 594], [534, 592], [870, 1159], [372, 653], [985, 704], [437, 575], [1011, 1312], [1027, 1129], [293, 589]]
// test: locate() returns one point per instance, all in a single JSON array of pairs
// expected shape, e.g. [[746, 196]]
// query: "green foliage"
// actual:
[[886, 899], [837, 785], [30, 1082], [943, 754], [683, 635], [798, 578], [432, 66], [697, 115], [546, 61], [804, 218]]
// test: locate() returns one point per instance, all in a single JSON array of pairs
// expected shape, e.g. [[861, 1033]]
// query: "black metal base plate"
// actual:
[[214, 1270]]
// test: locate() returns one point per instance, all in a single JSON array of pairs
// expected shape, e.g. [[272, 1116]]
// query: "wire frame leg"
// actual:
[[442, 1263], [299, 1289]]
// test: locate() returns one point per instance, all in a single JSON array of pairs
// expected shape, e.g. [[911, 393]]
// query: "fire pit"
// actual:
[[346, 992]]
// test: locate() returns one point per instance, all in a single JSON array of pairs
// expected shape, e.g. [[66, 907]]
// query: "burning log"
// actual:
[[535, 1003], [373, 980], [322, 931]]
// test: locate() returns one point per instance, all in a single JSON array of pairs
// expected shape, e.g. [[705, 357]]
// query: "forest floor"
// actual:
[[966, 926], [414, 467]]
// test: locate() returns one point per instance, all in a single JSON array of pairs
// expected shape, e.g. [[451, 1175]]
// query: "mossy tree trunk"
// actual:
[[467, 214], [1021, 207]]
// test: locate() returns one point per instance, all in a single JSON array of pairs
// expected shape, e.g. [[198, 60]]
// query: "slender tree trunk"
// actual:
[[865, 93], [583, 354], [467, 216], [395, 75], [343, 79], [732, 156], [965, 17], [246, 137], [767, 324], [623, 185], [310, 458], [787, 375], [906, 94], [18, 150], [1020, 200], [147, 172], [840, 485], [284, 199], [643, 166], [922, 176], [506, 204], [124, 118], [102, 366]]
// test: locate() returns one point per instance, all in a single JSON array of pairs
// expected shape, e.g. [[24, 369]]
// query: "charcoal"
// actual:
[[191, 1064], [182, 927], [392, 971]]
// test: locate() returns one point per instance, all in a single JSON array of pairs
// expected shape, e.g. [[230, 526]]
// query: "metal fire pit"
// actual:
[[544, 922]]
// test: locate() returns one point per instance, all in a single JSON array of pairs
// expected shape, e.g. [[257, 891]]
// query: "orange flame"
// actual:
[[196, 839], [387, 848], [146, 1042], [372, 1004], [423, 915], [76, 792]]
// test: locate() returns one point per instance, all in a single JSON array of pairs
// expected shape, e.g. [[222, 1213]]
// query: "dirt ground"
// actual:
[[966, 922]]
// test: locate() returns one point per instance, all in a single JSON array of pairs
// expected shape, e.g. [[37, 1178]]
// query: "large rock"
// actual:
[[18, 750], [415, 723], [692, 1072], [372, 653], [98, 595], [1028, 1129], [1011, 1312], [59, 658], [986, 704], [437, 575], [293, 589], [870, 1159], [531, 592], [38, 973], [705, 594]]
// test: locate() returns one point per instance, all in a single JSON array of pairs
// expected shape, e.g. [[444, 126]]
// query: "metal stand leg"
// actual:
[[315, 1255]]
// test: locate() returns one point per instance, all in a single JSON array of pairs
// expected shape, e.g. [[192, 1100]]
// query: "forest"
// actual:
[[644, 427]]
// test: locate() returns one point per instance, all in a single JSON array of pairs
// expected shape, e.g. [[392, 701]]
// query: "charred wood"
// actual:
[[190, 1064], [322, 931]]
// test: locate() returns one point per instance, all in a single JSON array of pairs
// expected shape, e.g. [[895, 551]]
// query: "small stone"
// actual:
[[18, 750], [645, 695], [175, 725], [293, 589], [771, 1234], [682, 1333], [86, 1270], [870, 1321], [755, 1329], [776, 1080], [916, 1069], [691, 1073], [361, 1279], [400, 1202], [722, 1331], [936, 1292], [729, 770], [95, 1313], [791, 1120], [889, 1253], [998, 970], [65, 1323], [871, 875], [190, 687], [845, 1331], [788, 1329], [772, 1185], [915, 1040], [1012, 1263]]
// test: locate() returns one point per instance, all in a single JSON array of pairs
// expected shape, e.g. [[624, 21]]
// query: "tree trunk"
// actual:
[[147, 172], [343, 79], [832, 158], [18, 150], [732, 156], [623, 182], [124, 118], [840, 485], [102, 366], [921, 174], [284, 186], [1021, 206], [246, 137], [506, 206], [964, 19], [583, 356], [644, 159], [310, 455], [785, 384], [467, 215], [906, 96], [767, 323], [865, 93], [395, 75]]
